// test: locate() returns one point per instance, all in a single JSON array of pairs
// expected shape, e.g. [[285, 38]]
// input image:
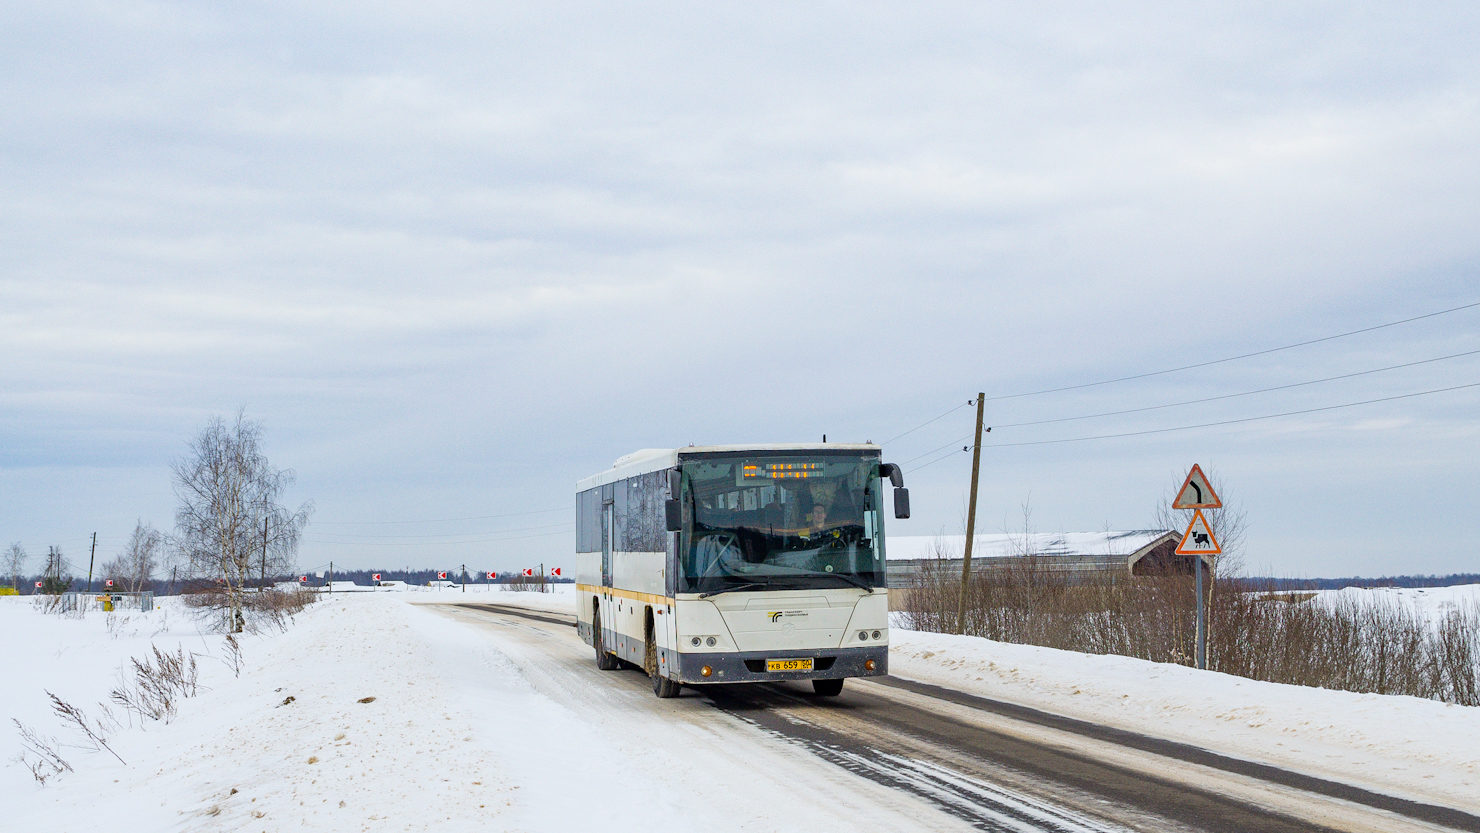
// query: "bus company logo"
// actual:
[[778, 615]]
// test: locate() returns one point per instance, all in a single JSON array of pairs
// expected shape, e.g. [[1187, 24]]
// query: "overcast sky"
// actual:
[[456, 256]]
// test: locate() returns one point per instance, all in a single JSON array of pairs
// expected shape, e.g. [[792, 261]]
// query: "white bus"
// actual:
[[737, 563]]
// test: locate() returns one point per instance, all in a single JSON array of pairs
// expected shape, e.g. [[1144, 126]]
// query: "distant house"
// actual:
[[1084, 555]]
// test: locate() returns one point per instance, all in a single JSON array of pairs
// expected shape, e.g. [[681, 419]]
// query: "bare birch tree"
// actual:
[[15, 563], [230, 528], [133, 569]]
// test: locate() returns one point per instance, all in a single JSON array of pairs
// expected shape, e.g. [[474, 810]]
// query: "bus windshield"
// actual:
[[781, 523]]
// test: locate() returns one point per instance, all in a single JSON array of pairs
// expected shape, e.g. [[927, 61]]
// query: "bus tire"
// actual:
[[828, 688], [605, 660], [665, 688]]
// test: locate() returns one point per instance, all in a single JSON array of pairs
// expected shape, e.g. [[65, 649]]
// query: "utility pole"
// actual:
[[465, 578], [90, 561], [331, 576], [976, 466]]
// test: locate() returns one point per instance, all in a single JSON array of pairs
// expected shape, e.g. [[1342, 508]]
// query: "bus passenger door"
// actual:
[[606, 544]]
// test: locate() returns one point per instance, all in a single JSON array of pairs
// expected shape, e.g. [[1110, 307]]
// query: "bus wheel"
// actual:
[[604, 660], [828, 688], [665, 688]]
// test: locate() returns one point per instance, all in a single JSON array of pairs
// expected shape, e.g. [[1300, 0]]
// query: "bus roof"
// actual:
[[657, 459]]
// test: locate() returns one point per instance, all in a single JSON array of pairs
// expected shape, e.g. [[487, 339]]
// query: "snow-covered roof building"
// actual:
[[1128, 552]]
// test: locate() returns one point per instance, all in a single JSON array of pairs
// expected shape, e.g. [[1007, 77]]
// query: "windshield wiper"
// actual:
[[850, 579], [731, 589]]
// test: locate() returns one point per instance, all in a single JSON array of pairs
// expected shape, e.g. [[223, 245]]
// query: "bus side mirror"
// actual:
[[901, 503], [673, 509]]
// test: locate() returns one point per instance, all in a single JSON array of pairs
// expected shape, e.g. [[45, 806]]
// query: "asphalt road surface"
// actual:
[[983, 764]]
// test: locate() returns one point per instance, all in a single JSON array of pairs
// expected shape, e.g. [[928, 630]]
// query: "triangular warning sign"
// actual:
[[1196, 493], [1198, 539]]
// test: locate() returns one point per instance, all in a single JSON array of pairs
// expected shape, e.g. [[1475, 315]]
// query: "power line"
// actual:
[[1236, 358], [1235, 421], [933, 450], [928, 421], [1235, 395], [446, 520], [953, 452]]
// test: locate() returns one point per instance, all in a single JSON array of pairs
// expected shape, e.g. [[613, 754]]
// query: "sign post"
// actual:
[[1198, 541]]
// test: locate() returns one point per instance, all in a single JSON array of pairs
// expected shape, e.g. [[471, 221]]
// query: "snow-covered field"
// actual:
[[458, 737]]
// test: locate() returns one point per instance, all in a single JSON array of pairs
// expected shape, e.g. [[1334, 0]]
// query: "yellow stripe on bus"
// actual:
[[650, 598]]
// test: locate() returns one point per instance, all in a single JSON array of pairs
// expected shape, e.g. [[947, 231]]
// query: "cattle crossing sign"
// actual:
[[1198, 539]]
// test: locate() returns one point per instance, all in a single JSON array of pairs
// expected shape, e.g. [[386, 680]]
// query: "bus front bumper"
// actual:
[[750, 666]]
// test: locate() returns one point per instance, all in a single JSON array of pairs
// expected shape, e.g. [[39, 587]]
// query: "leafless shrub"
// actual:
[[115, 623], [234, 655], [95, 732], [526, 584], [250, 611], [1345, 644], [1379, 646], [158, 685], [39, 755], [1141, 616]]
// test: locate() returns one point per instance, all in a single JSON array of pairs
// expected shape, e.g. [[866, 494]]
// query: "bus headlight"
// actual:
[[709, 642], [876, 634], [862, 635], [694, 642]]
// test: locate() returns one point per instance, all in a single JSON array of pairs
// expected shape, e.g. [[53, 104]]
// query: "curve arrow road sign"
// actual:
[[1196, 493]]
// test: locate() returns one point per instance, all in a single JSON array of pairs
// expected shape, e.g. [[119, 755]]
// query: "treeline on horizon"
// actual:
[[26, 586], [1270, 583], [421, 577]]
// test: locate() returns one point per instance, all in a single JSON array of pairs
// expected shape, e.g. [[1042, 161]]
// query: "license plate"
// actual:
[[789, 664]]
